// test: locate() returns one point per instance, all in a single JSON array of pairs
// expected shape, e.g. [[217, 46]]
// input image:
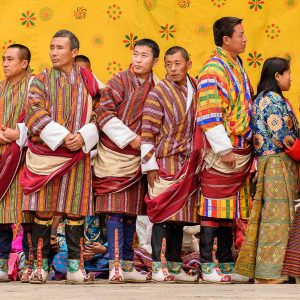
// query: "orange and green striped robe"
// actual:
[[55, 97], [12, 104]]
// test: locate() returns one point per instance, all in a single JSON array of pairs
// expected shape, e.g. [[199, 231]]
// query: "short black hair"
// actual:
[[151, 44], [176, 49], [224, 27], [82, 58], [70, 35], [267, 82], [24, 52]]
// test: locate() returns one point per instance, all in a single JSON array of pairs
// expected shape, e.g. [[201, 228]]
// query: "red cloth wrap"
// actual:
[[32, 183], [174, 198], [10, 162]]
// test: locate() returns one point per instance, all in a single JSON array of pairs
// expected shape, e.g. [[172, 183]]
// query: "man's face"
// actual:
[[84, 64], [237, 43], [12, 65], [61, 54], [142, 60], [177, 67]]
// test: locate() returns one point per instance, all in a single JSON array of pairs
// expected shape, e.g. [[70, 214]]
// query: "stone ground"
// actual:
[[104, 291]]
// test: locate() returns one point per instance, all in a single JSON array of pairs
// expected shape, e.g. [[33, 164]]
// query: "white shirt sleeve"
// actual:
[[118, 132], [90, 136], [53, 135], [218, 139], [21, 141], [151, 164]]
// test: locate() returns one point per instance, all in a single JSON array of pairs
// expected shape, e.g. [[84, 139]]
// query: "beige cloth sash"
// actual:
[[161, 186], [46, 164], [214, 161], [109, 163]]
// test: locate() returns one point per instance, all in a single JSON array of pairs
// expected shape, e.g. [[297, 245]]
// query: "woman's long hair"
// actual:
[[267, 82]]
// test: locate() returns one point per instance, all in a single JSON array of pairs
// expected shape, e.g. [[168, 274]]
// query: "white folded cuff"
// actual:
[[93, 153], [152, 163], [118, 132], [22, 141], [218, 139], [90, 136], [53, 135]]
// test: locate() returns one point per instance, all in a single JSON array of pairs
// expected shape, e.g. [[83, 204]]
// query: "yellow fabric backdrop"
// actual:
[[107, 29]]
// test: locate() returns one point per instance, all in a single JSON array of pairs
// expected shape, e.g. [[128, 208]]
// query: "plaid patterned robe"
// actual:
[[225, 98]]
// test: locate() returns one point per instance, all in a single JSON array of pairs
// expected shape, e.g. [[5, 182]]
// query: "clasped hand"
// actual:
[[74, 141], [8, 135]]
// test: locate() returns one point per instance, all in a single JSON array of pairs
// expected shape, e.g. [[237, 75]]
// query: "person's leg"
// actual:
[[74, 231], [41, 231], [159, 245], [129, 231], [115, 238], [225, 243], [27, 249], [209, 230], [6, 237], [173, 254], [129, 271], [174, 242]]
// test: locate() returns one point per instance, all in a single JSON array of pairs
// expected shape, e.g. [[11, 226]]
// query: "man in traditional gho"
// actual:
[[118, 183], [57, 175], [167, 140], [84, 62], [13, 134], [223, 115]]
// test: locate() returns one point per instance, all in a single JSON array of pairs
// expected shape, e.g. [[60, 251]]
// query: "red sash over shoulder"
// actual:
[[10, 162], [174, 198]]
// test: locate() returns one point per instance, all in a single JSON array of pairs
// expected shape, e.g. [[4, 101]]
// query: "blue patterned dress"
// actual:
[[274, 124]]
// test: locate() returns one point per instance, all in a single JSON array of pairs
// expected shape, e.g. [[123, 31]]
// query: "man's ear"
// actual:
[[74, 52], [25, 64], [226, 40], [155, 62], [189, 64]]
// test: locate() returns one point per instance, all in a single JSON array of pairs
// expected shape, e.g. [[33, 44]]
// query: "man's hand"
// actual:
[[3, 140], [96, 248], [54, 243], [136, 143], [10, 134], [229, 159], [74, 141], [88, 254], [92, 249], [151, 177]]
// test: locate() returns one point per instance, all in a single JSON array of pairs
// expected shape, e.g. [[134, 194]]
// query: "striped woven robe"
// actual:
[[122, 100], [225, 99], [12, 103], [169, 126], [54, 97]]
